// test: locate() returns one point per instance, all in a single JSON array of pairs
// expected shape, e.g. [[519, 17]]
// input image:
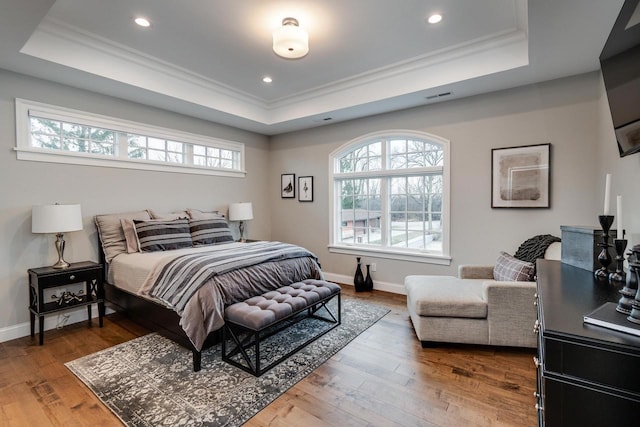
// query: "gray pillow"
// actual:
[[111, 233], [198, 214], [163, 235], [210, 231]]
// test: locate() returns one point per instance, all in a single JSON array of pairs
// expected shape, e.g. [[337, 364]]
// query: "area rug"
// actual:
[[149, 381]]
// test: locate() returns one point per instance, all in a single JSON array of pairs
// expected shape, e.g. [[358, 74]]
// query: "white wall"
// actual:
[[563, 112], [101, 190]]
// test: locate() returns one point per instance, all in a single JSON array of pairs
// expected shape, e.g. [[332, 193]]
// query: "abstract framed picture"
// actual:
[[520, 176], [305, 189], [288, 186], [628, 137]]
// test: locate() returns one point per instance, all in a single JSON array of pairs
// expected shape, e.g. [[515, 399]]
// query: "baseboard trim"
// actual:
[[50, 322], [394, 288], [80, 315]]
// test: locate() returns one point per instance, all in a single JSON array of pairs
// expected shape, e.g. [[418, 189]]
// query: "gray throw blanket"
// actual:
[[183, 276], [535, 247]]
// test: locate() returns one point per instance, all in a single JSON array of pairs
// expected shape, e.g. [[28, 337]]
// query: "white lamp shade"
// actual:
[[56, 218], [290, 41], [240, 211]]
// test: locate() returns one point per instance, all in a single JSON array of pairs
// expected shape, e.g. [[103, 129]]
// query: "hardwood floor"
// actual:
[[382, 378]]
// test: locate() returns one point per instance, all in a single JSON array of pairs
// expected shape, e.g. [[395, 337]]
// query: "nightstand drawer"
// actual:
[[68, 278]]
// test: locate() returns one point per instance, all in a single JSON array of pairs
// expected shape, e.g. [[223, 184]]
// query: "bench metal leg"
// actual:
[[240, 346]]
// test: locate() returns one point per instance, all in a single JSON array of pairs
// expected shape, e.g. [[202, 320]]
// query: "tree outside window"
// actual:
[[389, 193]]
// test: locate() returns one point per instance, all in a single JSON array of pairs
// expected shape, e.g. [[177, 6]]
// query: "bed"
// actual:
[[175, 273]]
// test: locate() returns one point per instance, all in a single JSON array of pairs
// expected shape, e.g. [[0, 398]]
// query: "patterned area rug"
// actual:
[[149, 381]]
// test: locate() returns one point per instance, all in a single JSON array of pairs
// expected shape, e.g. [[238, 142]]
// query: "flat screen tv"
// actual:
[[620, 64]]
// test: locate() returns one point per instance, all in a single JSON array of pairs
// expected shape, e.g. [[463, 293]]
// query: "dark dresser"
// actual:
[[587, 375]]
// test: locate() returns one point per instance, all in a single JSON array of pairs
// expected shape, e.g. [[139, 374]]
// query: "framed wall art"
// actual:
[[520, 176], [305, 189], [628, 137], [288, 186]]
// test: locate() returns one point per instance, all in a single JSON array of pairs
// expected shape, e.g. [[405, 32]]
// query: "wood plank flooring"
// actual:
[[382, 378]]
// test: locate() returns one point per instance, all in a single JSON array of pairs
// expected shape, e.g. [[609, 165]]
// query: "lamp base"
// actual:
[[241, 227], [61, 264], [60, 248]]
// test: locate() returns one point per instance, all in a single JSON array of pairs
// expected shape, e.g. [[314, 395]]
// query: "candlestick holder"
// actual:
[[617, 277], [604, 258]]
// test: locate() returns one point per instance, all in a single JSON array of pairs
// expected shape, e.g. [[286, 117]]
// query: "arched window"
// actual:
[[390, 196]]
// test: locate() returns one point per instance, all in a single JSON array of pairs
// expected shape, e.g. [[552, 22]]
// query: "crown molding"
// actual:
[[420, 63], [70, 46]]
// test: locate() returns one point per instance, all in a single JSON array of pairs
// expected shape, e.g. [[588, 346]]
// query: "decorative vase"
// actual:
[[358, 279], [368, 282]]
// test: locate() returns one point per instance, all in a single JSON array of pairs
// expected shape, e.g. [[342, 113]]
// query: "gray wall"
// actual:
[[101, 190], [563, 112], [572, 114]]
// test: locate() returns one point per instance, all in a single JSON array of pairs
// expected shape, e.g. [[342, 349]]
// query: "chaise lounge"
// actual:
[[489, 305]]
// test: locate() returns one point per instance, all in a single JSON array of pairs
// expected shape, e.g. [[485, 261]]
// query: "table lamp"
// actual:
[[241, 212], [56, 219]]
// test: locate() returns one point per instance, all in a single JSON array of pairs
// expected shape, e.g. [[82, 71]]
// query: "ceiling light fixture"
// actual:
[[143, 22], [267, 79], [290, 41], [434, 19]]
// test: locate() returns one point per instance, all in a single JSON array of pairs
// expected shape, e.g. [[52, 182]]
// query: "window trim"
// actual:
[[387, 252], [24, 108]]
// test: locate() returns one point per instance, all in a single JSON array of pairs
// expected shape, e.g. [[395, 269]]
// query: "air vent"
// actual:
[[322, 119], [438, 95]]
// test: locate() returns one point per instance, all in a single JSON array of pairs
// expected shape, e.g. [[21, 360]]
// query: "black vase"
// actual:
[[368, 282], [358, 279]]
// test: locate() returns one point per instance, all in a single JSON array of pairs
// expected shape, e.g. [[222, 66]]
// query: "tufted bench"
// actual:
[[249, 322]]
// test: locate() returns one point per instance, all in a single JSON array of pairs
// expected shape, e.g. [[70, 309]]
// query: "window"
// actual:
[[55, 134], [390, 195]]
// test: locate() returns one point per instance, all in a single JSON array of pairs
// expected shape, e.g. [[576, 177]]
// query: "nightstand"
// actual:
[[48, 277]]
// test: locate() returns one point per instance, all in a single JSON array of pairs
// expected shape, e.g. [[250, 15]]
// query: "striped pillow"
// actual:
[[210, 231], [163, 235], [511, 269]]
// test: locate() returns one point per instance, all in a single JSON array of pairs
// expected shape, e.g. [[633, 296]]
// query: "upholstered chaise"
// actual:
[[474, 308]]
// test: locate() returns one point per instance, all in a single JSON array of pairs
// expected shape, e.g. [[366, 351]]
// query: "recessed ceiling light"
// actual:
[[143, 22], [267, 79], [434, 19]]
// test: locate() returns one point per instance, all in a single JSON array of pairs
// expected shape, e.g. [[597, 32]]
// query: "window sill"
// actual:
[[115, 162], [423, 257]]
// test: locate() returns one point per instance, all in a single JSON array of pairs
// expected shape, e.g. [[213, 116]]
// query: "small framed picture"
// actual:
[[305, 189], [520, 176], [288, 186]]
